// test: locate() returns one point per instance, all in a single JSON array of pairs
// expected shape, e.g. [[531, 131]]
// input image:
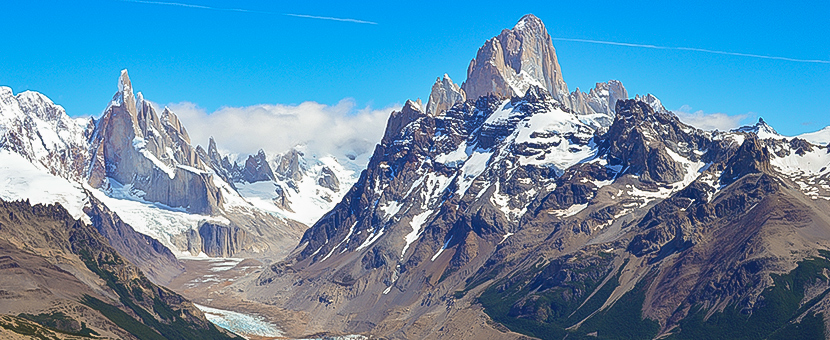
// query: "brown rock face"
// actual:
[[472, 209], [602, 99], [328, 179], [640, 140], [751, 157], [444, 95], [51, 263], [508, 64], [148, 254], [134, 145], [221, 241], [289, 166], [257, 169]]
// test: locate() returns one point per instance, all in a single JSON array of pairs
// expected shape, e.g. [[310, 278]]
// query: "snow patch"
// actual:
[[473, 167], [444, 247], [504, 237], [348, 235], [140, 145], [22, 180], [820, 137], [810, 163], [417, 223], [374, 236], [455, 157], [156, 220], [390, 209], [503, 203], [572, 210]]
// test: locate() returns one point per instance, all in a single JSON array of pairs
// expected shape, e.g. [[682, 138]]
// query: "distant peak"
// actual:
[[761, 129], [444, 94], [124, 84], [528, 20], [124, 96], [764, 125], [652, 101], [413, 105], [765, 130], [506, 65]]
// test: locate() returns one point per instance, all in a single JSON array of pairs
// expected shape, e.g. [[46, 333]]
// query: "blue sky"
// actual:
[[72, 52]]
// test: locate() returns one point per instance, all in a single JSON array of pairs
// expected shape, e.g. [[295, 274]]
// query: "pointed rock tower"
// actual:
[[133, 145], [444, 95], [507, 65]]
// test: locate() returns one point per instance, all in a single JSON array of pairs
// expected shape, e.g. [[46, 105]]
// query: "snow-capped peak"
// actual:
[[820, 137], [761, 128], [652, 101], [124, 84], [41, 131], [525, 21], [124, 96], [414, 105]]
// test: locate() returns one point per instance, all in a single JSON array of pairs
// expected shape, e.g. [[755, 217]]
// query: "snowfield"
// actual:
[[22, 180]]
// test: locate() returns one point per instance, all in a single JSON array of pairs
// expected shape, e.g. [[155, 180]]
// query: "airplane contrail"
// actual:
[[331, 18], [815, 61], [179, 4]]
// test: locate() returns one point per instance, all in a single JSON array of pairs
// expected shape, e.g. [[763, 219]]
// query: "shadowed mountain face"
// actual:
[[61, 279], [565, 216]]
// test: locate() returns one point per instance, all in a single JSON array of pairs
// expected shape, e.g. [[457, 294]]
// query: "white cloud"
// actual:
[[710, 121], [340, 130]]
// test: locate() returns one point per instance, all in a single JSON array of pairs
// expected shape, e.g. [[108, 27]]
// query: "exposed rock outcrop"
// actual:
[[220, 240], [289, 166], [257, 169], [751, 157], [64, 275], [328, 179], [600, 100], [508, 64], [444, 95], [640, 141], [34, 127], [134, 145], [148, 254]]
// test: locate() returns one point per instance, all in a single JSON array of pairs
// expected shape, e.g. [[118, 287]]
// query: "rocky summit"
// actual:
[[523, 210], [506, 207]]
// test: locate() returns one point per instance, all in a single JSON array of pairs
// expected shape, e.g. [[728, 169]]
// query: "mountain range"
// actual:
[[506, 207]]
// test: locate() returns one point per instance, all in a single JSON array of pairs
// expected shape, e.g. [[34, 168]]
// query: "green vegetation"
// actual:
[[60, 322], [546, 311], [171, 324], [123, 320], [810, 327], [534, 309], [25, 327], [624, 320], [477, 280], [775, 314]]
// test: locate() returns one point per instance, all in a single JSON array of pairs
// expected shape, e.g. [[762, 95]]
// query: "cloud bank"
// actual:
[[343, 130], [710, 121]]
